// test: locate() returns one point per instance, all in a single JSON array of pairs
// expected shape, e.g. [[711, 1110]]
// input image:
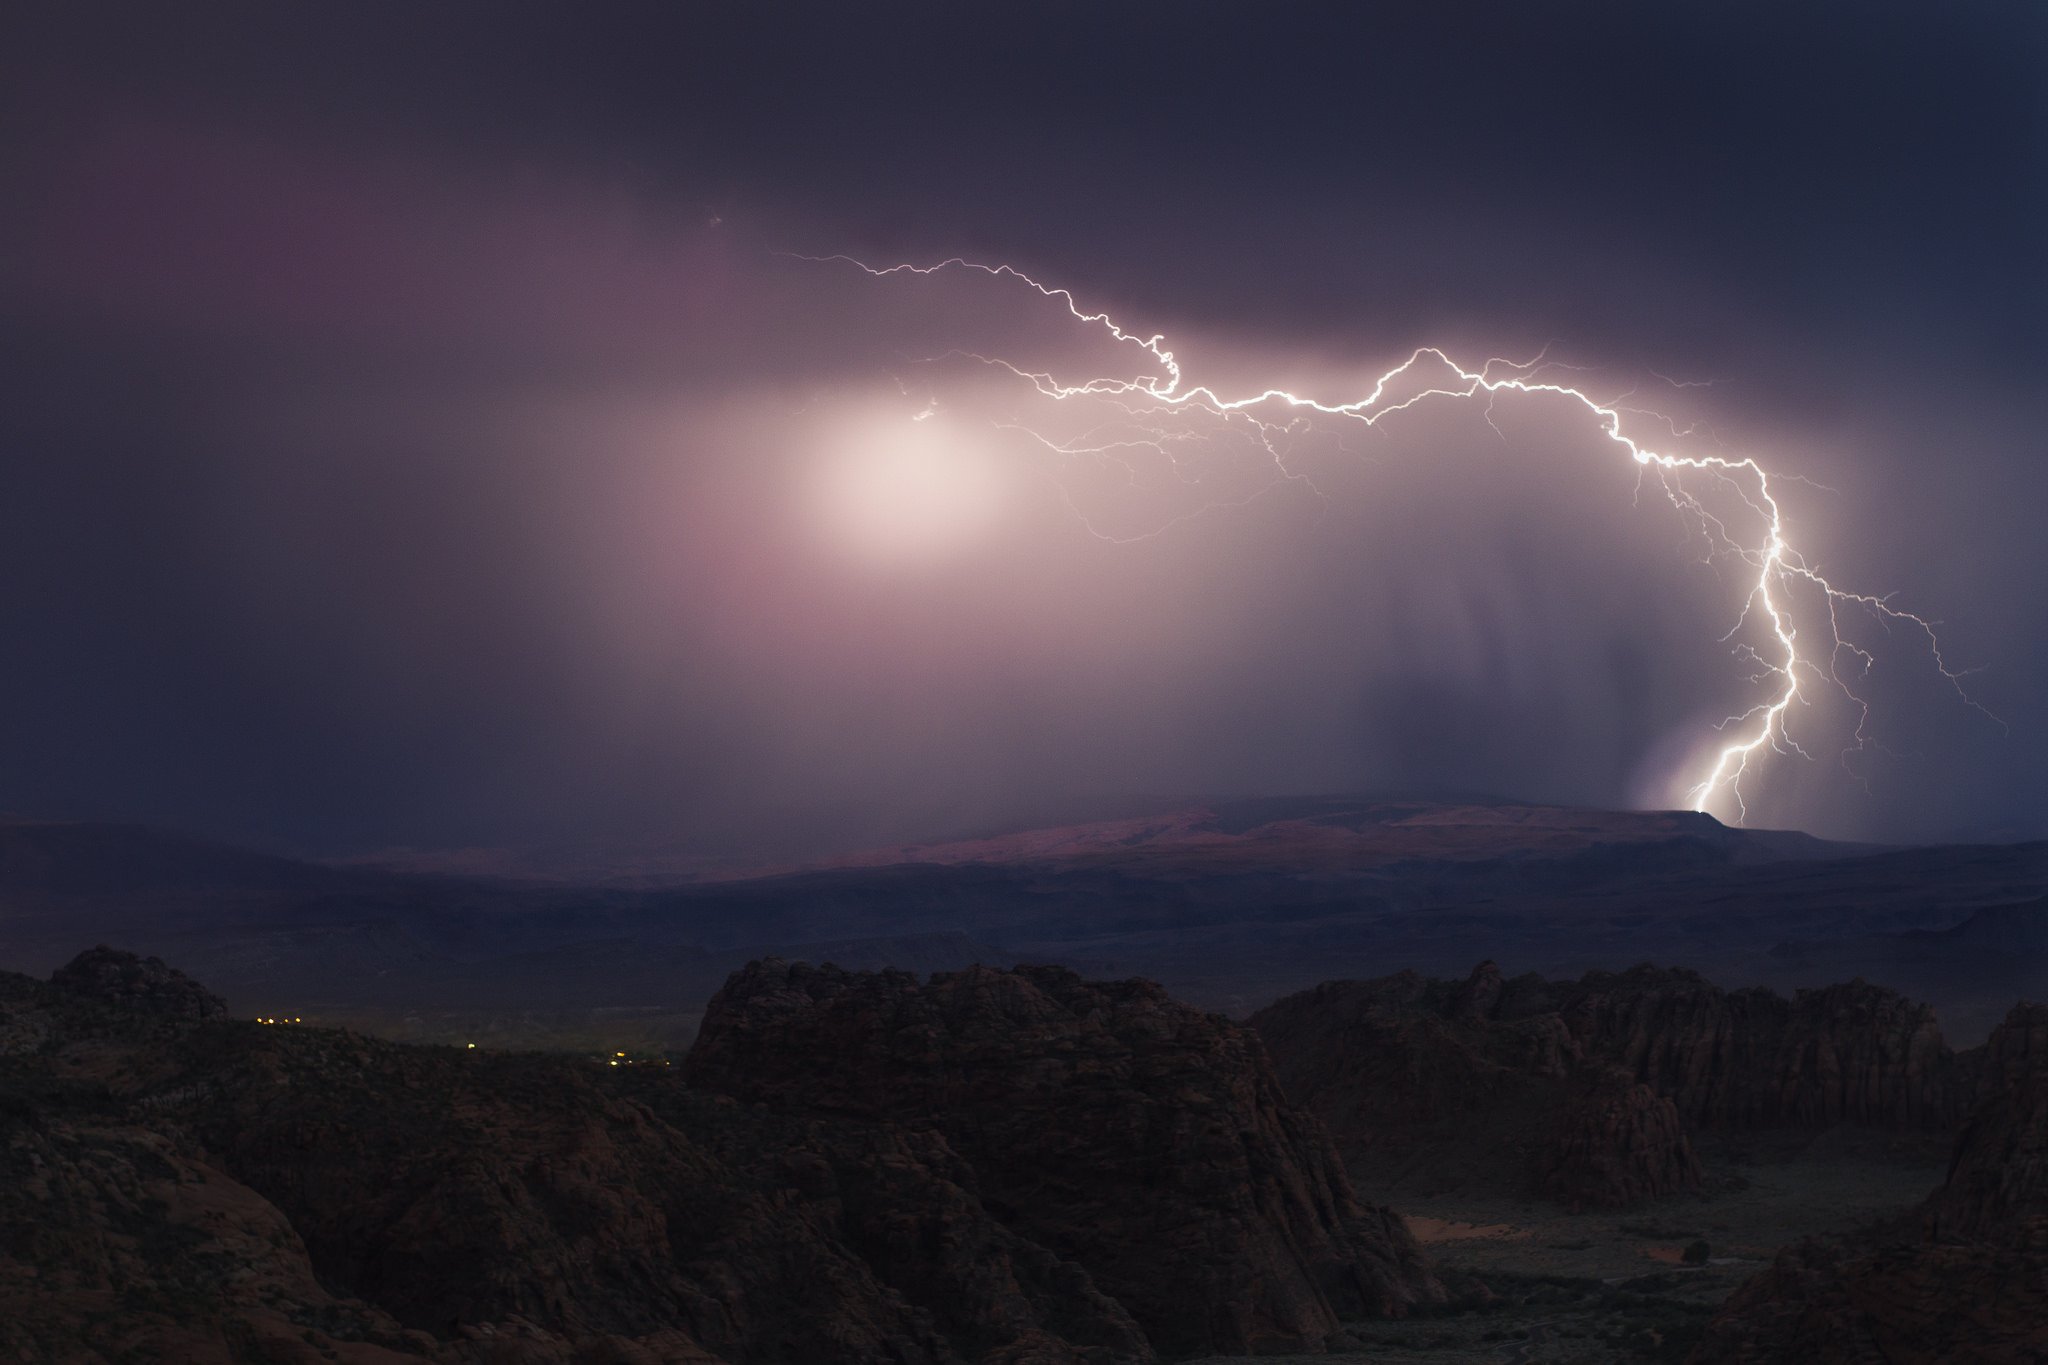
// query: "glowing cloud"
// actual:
[[904, 493], [1805, 619]]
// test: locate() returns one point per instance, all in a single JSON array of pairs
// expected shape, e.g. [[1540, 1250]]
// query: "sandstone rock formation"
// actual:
[[2017, 1048], [522, 1191], [1964, 1281], [1997, 1187], [1442, 1085], [103, 1220], [1852, 1053], [194, 1185], [1146, 1141], [143, 983], [1928, 1304], [1077, 1175], [1615, 1142]]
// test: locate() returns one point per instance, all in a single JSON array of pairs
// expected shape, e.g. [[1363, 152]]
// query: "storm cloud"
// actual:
[[415, 416]]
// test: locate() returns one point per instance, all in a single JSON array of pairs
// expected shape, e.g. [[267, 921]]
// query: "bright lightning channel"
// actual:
[[1777, 566]]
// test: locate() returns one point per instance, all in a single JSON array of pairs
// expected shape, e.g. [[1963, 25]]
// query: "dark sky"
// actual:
[[412, 435]]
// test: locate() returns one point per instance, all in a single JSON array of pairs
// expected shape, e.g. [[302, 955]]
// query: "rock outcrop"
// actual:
[[1853, 1053], [1966, 1280], [1997, 1187], [120, 1245], [1615, 1142], [141, 983], [1589, 1087], [1463, 1085], [2016, 1049], [1927, 1304], [454, 1190], [1146, 1141], [1075, 1175]]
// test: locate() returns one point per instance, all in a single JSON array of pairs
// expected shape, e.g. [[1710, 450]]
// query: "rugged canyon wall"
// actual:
[[1017, 1168], [1585, 1090], [1446, 1085], [1852, 1053], [1148, 1141], [1963, 1280]]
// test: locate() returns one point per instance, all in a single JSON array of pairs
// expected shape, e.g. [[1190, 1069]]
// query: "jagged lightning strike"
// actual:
[[1777, 567]]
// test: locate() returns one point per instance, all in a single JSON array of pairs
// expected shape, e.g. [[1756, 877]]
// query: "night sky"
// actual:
[[419, 429]]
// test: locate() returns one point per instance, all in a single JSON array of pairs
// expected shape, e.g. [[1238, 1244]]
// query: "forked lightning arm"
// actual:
[[1775, 564]]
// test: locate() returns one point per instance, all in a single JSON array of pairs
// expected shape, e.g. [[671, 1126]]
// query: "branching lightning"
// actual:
[[1776, 572]]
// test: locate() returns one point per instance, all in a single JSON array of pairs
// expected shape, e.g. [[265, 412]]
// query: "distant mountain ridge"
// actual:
[[1230, 904], [1351, 831], [1324, 830]]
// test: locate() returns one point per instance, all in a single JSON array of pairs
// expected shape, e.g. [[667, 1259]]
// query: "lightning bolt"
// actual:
[[1776, 570]]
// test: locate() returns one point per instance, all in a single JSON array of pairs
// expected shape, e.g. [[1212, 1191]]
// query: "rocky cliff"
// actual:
[[1440, 1085], [1146, 1141], [1900, 1304], [2016, 1049], [1070, 1166], [1997, 1187], [1965, 1280], [1852, 1053], [1614, 1142], [143, 983], [1587, 1088]]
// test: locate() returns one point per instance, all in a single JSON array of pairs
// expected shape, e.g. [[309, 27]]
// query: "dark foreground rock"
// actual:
[[1145, 1140], [1614, 1142], [1966, 1280], [1585, 1090], [175, 1186], [1850, 1053], [1463, 1085], [1899, 1305], [143, 983]]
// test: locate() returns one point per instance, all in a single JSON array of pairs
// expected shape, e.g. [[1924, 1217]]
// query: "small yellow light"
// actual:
[[472, 1047]]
